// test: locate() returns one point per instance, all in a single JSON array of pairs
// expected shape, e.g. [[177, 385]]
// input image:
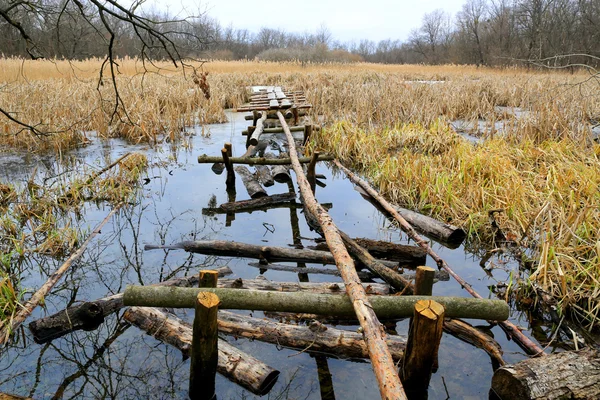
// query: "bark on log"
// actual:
[[269, 253], [260, 125], [203, 159], [422, 346], [402, 253], [315, 337], [511, 329], [254, 204], [89, 315], [299, 128], [387, 274], [254, 189], [302, 302], [235, 365], [363, 275], [8, 327], [567, 375]]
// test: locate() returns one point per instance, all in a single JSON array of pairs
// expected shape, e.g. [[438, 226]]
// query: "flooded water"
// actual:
[[119, 361]]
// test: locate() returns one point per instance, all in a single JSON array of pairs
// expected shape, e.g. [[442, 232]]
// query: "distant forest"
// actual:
[[494, 33]]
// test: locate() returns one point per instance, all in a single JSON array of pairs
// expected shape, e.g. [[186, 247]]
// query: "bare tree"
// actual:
[[64, 28]]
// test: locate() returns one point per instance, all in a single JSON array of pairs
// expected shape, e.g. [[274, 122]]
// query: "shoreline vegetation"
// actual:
[[528, 182]]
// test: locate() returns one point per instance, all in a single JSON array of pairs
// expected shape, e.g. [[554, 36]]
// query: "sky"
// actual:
[[347, 20]]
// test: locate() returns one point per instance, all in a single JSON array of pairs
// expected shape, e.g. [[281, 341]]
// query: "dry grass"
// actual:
[[393, 127]]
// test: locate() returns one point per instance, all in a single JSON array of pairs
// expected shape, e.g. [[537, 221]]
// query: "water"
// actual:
[[117, 361]]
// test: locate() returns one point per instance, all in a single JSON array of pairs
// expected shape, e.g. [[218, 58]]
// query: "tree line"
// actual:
[[484, 32]]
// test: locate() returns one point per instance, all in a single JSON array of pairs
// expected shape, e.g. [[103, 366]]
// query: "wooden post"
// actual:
[[312, 180], [424, 337], [250, 132], [424, 281], [229, 149], [204, 357], [230, 181], [295, 114], [307, 132], [208, 278]]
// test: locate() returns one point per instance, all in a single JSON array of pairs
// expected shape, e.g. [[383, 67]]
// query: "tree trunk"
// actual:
[[315, 337], [89, 315], [254, 189], [203, 159], [404, 254], [303, 302], [473, 336], [567, 375], [269, 253], [262, 202], [235, 365], [260, 125]]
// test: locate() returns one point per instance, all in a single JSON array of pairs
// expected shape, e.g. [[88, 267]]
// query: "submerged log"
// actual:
[[281, 173], [404, 254], [260, 125], [363, 275], [302, 302], [254, 189], [264, 176], [269, 253], [315, 337], [254, 204], [203, 159], [89, 315], [235, 365], [567, 375]]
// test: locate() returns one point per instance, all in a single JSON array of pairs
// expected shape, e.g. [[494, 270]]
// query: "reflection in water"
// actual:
[[117, 361]]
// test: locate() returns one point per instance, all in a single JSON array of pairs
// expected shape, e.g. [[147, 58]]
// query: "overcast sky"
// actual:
[[347, 20]]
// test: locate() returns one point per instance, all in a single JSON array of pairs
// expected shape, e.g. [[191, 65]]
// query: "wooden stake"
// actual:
[[230, 181], [229, 149], [255, 136], [311, 171], [208, 278], [424, 281], [204, 356], [424, 337], [307, 132]]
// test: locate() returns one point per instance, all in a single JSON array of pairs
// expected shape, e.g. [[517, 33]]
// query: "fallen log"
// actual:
[[387, 251], [363, 275], [281, 173], [447, 234], [311, 287], [511, 329], [264, 176], [566, 375], [269, 253], [313, 338], [387, 274], [285, 204], [299, 128], [204, 159], [254, 189], [89, 315], [235, 365], [8, 327], [254, 204], [260, 125], [302, 302]]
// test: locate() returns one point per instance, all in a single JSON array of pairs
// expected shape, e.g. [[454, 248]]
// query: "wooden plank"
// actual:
[[271, 96], [273, 104]]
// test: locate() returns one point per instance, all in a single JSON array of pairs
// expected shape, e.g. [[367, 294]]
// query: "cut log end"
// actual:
[[207, 299], [429, 309]]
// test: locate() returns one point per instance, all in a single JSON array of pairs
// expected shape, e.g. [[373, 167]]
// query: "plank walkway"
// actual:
[[275, 98]]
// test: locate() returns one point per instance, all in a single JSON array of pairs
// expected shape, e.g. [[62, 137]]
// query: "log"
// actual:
[[260, 125], [425, 334], [566, 375], [204, 353], [404, 254], [269, 253], [254, 189], [237, 366], [311, 287], [363, 275], [204, 159], [473, 336], [21, 315], [299, 128], [281, 173], [255, 204], [314, 338], [264, 176], [424, 281], [387, 274], [302, 302], [311, 174], [89, 315], [511, 329]]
